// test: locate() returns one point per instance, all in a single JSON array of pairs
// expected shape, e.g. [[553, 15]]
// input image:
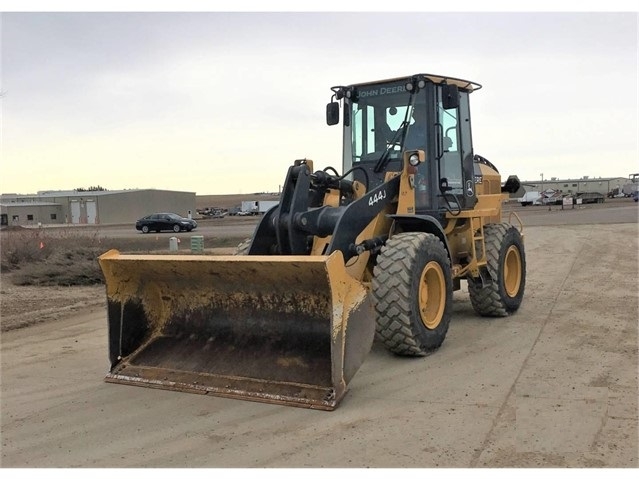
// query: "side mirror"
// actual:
[[332, 113], [512, 185], [450, 97]]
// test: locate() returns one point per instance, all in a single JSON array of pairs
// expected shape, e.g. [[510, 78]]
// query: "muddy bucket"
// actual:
[[280, 329]]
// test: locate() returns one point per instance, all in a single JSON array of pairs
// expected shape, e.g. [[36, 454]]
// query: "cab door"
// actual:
[[455, 154]]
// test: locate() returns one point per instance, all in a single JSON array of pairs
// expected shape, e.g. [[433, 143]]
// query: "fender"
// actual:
[[423, 223]]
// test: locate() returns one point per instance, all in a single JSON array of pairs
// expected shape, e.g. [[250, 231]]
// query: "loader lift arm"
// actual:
[[288, 229]]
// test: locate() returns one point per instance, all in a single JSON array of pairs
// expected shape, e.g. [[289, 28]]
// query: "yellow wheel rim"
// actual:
[[512, 271], [432, 295]]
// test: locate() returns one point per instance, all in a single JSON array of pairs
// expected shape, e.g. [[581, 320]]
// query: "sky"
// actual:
[[223, 102]]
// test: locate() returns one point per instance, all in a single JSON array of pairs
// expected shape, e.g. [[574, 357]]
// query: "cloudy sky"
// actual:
[[223, 102]]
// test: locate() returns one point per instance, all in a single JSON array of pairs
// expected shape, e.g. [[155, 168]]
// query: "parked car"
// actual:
[[213, 212], [635, 195], [165, 222]]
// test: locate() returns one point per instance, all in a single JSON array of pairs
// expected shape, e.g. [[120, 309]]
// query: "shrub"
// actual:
[[69, 255], [51, 257]]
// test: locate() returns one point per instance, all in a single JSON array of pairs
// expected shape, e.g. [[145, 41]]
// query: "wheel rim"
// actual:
[[512, 271], [432, 295]]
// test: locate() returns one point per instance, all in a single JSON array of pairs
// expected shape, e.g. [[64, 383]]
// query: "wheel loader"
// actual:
[[372, 253]]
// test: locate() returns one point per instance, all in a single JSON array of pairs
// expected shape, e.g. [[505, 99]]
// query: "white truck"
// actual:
[[629, 188], [530, 198], [258, 207]]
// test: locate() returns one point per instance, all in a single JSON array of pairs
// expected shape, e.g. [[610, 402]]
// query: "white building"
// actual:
[[582, 185], [92, 207]]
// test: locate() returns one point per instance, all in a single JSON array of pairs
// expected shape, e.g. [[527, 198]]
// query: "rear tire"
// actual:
[[176, 228], [507, 267], [412, 292]]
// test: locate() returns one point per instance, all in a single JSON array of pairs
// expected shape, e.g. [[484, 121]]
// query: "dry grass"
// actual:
[[68, 257]]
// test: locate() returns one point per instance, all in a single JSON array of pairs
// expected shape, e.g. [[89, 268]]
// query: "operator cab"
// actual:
[[422, 112]]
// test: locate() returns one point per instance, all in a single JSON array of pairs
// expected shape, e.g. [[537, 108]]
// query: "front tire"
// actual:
[[412, 292], [176, 228], [507, 267], [145, 229]]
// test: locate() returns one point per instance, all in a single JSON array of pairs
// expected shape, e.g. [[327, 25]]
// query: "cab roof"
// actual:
[[467, 85]]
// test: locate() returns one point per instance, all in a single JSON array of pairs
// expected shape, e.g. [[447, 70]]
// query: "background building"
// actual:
[[92, 207], [582, 185]]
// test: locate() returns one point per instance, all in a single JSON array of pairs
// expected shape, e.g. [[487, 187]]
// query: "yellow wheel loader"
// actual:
[[376, 251]]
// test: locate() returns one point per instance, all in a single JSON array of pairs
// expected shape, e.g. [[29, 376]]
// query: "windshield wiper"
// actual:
[[385, 158], [403, 129]]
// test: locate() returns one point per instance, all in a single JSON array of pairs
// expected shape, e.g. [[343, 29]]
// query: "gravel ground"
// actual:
[[553, 386], [22, 306]]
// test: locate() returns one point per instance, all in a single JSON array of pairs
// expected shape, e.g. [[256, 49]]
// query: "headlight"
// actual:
[[413, 159], [415, 82]]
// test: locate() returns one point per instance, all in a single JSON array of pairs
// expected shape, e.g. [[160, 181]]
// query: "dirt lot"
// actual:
[[553, 386], [27, 305]]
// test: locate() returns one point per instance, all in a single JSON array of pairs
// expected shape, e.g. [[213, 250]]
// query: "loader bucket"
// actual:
[[280, 329]]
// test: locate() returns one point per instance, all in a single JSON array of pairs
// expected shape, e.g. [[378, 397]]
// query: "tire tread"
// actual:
[[392, 293]]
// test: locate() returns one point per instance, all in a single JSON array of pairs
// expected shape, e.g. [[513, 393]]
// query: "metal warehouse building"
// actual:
[[582, 185], [92, 207]]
